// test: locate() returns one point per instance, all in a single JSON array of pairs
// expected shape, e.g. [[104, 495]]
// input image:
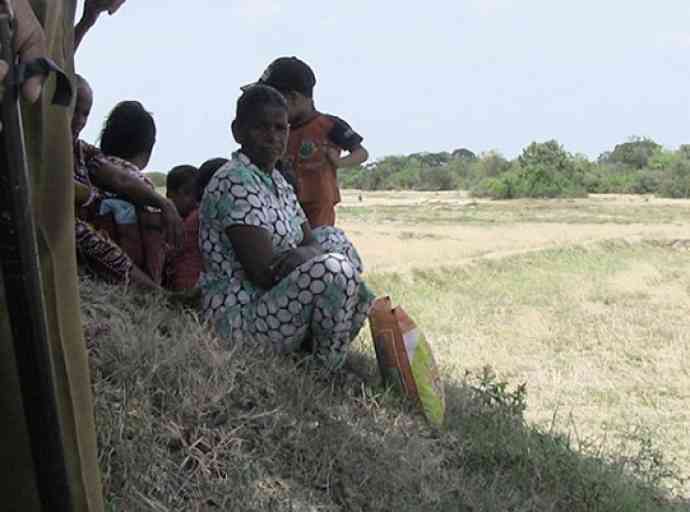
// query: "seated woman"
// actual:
[[93, 175], [268, 277], [127, 141]]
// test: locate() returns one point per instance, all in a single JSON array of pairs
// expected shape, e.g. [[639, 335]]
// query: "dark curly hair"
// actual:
[[128, 131], [256, 97], [206, 172]]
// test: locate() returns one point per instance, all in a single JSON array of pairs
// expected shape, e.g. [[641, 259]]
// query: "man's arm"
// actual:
[[344, 137], [92, 10], [357, 156]]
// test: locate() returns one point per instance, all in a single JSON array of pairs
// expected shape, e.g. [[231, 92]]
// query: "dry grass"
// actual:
[[597, 331]]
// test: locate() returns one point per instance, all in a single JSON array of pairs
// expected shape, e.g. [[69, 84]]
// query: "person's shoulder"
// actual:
[[236, 167], [335, 119], [235, 174], [342, 134], [88, 151], [282, 184]]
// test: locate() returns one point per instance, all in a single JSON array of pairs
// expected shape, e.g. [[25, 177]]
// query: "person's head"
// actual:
[[82, 107], [129, 133], [295, 80], [206, 172], [181, 188], [261, 125]]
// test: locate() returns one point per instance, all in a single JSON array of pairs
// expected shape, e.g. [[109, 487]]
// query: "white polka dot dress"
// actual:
[[324, 298]]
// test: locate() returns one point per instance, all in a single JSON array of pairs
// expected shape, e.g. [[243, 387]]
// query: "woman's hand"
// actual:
[[30, 42], [288, 261]]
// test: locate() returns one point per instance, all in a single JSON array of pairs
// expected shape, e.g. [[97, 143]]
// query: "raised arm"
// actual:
[[357, 156], [92, 10], [342, 136]]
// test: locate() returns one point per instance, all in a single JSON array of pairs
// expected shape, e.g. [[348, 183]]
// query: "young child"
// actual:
[[184, 266], [185, 187], [315, 143]]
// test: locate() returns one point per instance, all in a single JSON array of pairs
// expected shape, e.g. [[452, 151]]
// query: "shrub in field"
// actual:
[[158, 178], [675, 182], [544, 170], [635, 153]]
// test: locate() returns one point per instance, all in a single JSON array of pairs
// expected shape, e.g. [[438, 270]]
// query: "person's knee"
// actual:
[[340, 272]]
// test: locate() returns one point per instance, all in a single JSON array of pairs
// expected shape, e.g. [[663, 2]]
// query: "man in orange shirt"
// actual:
[[316, 141]]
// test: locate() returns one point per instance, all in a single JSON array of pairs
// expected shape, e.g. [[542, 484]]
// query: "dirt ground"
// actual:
[[399, 245]]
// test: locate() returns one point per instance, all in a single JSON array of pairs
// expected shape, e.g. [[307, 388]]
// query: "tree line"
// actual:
[[543, 170]]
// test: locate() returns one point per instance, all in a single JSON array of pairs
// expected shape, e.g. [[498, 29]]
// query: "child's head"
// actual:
[[129, 132], [295, 80], [206, 172], [181, 188], [261, 125], [82, 107]]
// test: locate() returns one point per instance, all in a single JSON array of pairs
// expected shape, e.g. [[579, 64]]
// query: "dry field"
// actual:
[[586, 301]]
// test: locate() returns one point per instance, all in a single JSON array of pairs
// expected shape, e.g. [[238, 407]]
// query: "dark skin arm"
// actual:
[[263, 267], [92, 10], [357, 156], [117, 181]]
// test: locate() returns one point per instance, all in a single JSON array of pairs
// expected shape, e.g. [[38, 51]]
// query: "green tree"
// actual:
[[636, 152]]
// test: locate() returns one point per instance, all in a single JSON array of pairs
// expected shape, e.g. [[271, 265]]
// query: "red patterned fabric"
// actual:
[[186, 266]]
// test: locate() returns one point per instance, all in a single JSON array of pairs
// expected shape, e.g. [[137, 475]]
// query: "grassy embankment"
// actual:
[[596, 330]]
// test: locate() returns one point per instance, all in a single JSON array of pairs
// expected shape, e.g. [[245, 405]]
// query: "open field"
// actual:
[[586, 301], [404, 230]]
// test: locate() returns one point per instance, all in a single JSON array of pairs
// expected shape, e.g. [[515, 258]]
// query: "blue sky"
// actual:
[[408, 76]]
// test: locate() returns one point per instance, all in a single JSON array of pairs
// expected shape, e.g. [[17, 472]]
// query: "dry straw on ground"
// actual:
[[597, 333]]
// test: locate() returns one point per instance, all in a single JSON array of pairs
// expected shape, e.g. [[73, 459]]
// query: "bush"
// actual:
[[543, 170], [675, 182], [158, 178]]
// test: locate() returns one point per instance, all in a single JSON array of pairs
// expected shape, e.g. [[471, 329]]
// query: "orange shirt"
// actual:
[[306, 159]]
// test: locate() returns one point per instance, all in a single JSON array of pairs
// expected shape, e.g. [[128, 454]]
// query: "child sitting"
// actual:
[[185, 188], [184, 266], [316, 140]]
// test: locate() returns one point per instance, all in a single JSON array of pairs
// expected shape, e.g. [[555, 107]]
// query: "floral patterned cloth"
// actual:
[[324, 298], [95, 249]]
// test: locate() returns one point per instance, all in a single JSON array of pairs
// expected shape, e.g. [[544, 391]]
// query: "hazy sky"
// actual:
[[408, 76]]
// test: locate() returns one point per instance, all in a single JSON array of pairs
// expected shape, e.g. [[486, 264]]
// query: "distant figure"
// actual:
[[315, 143], [360, 198], [268, 278], [185, 187]]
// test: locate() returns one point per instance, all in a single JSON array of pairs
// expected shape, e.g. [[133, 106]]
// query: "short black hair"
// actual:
[[180, 176], [128, 131], [290, 74], [80, 81], [256, 97], [206, 172]]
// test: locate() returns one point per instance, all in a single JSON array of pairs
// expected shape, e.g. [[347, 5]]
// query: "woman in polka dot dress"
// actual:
[[268, 277]]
